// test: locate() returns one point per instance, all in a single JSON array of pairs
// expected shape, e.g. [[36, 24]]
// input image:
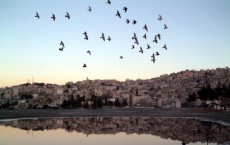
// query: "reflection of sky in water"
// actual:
[[13, 136], [110, 131]]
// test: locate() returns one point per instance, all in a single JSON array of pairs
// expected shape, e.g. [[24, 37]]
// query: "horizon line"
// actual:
[[123, 80]]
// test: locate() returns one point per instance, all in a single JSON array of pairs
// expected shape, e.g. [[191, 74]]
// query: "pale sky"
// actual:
[[198, 37]]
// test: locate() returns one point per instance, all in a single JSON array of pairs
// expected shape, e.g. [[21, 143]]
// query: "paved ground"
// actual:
[[105, 112]]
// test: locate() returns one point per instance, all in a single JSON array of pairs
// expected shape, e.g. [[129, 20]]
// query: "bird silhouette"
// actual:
[[148, 46], [109, 38], [85, 33], [155, 39], [53, 17], [136, 41], [86, 36], [165, 47], [153, 58], [133, 46], [134, 36], [61, 43], [89, 52], [134, 22], [125, 9], [141, 50], [108, 2], [102, 36], [159, 36], [89, 9], [160, 18], [118, 14], [145, 36], [84, 65], [63, 46], [37, 15], [67, 15], [145, 27]]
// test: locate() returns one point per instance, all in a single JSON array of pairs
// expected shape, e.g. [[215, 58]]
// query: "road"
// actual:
[[109, 112]]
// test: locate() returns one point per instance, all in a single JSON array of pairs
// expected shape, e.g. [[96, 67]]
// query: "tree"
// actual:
[[207, 94], [191, 99], [13, 103], [136, 92], [131, 101], [2, 94], [219, 96], [86, 105], [26, 96], [106, 102], [99, 102], [124, 103], [117, 103], [223, 93], [5, 106], [66, 104]]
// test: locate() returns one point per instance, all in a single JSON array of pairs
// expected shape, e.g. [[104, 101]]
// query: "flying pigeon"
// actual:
[[89, 9], [148, 46], [133, 46], [145, 36], [141, 50], [125, 9], [89, 52], [53, 17], [108, 2], [109, 38], [37, 15], [118, 14], [160, 18], [86, 36], [134, 22], [165, 47], [153, 58], [145, 27], [67, 15], [84, 66]]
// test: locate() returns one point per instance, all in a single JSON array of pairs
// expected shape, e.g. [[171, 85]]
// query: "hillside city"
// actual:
[[166, 91]]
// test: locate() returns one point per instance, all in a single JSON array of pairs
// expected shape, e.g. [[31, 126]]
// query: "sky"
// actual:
[[197, 38]]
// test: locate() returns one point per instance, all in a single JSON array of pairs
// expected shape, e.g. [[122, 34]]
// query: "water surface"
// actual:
[[112, 131]]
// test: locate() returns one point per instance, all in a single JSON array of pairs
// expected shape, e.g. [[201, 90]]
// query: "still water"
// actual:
[[112, 131]]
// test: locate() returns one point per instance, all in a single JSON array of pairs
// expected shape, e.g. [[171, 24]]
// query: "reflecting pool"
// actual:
[[112, 131]]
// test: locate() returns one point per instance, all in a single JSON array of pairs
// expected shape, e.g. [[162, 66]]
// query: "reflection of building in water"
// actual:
[[184, 129]]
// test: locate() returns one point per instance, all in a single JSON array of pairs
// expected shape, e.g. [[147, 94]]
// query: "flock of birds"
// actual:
[[104, 38]]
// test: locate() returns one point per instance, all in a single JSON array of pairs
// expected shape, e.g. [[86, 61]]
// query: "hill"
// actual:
[[166, 91]]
